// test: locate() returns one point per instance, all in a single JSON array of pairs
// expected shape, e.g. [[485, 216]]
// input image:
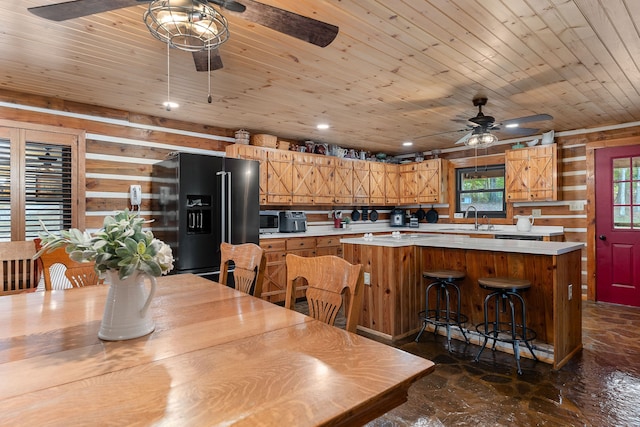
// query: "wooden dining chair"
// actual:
[[61, 272], [249, 263], [18, 270], [332, 282]]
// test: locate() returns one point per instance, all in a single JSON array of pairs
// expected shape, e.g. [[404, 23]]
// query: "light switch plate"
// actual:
[[536, 213], [458, 215], [576, 205], [367, 278]]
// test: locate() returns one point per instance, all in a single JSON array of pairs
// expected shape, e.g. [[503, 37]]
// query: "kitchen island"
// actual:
[[395, 295]]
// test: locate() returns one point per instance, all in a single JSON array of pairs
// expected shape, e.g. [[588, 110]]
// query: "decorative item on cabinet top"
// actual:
[[264, 140], [242, 137]]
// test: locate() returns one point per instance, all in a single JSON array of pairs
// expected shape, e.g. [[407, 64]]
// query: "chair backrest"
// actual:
[[77, 274], [19, 272], [249, 260], [331, 281]]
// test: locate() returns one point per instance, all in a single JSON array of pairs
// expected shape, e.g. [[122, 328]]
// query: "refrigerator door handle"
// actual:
[[223, 197], [229, 216]]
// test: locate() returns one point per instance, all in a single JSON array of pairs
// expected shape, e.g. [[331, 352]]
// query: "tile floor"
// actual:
[[599, 387]]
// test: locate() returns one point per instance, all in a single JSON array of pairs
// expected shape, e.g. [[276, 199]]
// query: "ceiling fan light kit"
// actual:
[[481, 139], [189, 25]]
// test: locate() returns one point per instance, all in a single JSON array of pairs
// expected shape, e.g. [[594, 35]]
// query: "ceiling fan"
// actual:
[[301, 27], [482, 124]]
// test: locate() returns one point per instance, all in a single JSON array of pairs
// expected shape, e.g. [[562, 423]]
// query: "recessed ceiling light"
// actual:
[[407, 144], [322, 126], [169, 105]]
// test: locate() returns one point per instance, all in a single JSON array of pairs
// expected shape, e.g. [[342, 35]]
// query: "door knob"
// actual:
[[602, 237]]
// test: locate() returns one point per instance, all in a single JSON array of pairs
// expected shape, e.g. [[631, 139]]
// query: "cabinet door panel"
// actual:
[[343, 185], [280, 176], [323, 185], [303, 178], [376, 183], [360, 182], [391, 184]]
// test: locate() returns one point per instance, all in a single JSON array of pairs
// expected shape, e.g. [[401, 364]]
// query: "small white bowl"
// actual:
[[532, 143]]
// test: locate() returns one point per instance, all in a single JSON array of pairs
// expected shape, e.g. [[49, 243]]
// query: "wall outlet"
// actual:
[[367, 278], [458, 215], [536, 213], [570, 291]]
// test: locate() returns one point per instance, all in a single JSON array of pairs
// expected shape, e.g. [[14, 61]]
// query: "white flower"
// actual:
[[164, 256]]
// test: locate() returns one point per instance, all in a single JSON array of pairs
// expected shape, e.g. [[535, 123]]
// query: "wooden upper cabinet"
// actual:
[[323, 185], [431, 181], [280, 177], [360, 182], [343, 182], [251, 152], [391, 184], [531, 174], [303, 178], [408, 183], [376, 183]]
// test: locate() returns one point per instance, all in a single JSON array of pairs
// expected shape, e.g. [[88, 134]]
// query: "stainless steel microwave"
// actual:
[[269, 222]]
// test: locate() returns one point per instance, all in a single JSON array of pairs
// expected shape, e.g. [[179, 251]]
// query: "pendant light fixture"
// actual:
[[189, 25]]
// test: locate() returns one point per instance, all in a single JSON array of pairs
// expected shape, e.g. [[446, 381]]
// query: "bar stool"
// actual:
[[505, 289], [443, 282]]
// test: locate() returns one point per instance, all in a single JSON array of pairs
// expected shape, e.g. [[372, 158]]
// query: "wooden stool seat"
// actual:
[[503, 283], [448, 275]]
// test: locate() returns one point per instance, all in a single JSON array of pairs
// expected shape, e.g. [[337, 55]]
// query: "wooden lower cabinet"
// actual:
[[274, 287], [275, 274]]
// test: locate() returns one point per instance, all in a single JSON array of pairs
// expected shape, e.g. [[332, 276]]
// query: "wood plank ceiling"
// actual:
[[397, 71]]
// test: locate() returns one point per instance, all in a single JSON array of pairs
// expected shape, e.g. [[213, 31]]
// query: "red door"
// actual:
[[618, 225]]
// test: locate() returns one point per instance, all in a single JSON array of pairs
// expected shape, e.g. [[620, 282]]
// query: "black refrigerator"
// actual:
[[199, 201]]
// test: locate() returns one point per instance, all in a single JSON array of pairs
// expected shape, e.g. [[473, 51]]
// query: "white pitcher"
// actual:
[[524, 223], [126, 313]]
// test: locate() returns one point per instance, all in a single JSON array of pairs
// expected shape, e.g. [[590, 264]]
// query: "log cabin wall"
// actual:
[[121, 146]]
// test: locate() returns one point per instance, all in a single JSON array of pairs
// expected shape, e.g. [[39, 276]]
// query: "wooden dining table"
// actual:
[[216, 357]]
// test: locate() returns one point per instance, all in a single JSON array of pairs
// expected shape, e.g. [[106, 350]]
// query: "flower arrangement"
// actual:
[[120, 245]]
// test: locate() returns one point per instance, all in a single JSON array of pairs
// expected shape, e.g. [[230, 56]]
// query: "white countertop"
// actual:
[[464, 242], [383, 227]]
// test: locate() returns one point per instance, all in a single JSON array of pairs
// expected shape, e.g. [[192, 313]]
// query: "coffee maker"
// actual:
[[397, 218]]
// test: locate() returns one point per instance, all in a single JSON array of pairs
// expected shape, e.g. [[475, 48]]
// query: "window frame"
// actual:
[[458, 189], [19, 134]]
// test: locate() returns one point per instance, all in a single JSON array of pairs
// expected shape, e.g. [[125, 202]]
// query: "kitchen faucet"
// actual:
[[466, 214], [489, 226]]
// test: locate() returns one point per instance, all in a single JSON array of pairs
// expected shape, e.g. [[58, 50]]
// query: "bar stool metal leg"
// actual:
[[444, 287]]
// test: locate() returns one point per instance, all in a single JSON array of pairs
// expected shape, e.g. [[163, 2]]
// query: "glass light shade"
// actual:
[[481, 140], [190, 25]]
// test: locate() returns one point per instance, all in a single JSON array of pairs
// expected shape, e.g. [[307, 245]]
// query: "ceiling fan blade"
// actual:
[[521, 131], [200, 58], [463, 139], [528, 119], [229, 5], [301, 27], [79, 8]]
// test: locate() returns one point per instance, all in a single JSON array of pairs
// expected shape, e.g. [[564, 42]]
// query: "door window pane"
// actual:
[[626, 193], [621, 169]]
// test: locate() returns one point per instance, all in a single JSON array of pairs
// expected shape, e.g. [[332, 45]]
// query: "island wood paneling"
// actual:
[[390, 303]]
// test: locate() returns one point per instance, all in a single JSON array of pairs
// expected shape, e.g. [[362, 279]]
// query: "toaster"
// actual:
[[292, 221]]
